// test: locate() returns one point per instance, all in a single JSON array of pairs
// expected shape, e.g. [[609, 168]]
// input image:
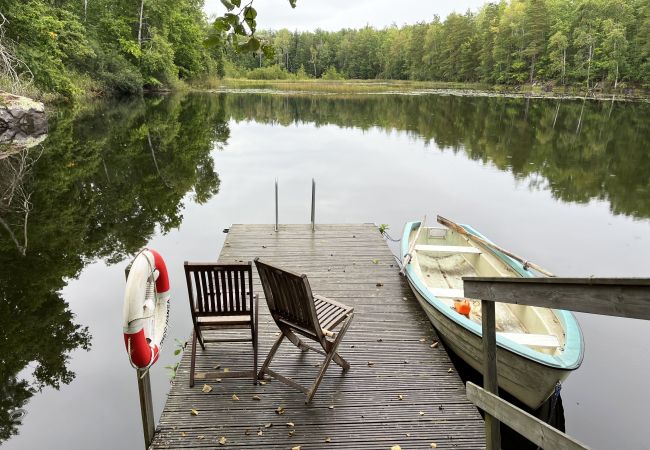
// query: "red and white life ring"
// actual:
[[146, 308]]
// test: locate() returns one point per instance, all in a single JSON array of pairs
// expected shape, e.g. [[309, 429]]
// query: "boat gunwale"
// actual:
[[570, 358]]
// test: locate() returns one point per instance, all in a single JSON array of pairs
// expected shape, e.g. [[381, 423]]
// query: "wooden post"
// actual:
[[313, 205], [276, 205], [490, 382], [146, 406], [144, 392]]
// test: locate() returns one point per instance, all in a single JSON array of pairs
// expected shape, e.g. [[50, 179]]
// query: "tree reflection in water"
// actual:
[[109, 174]]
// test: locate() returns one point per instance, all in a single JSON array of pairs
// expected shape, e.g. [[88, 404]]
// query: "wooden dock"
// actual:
[[399, 390]]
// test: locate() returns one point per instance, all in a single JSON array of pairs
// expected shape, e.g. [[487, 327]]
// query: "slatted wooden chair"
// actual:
[[221, 297], [297, 311]]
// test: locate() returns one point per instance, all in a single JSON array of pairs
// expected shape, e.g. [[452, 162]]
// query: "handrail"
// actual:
[[618, 297]]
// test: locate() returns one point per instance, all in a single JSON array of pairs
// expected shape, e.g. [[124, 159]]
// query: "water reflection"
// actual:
[[580, 151], [107, 176]]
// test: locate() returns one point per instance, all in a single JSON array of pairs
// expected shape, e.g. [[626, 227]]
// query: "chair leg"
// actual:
[[197, 331], [267, 361], [254, 337], [193, 359], [328, 359]]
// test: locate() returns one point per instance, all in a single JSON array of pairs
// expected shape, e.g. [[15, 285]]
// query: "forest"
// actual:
[[72, 48], [579, 42], [101, 47]]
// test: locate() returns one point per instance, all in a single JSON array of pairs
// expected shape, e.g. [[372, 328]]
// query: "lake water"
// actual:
[[565, 183]]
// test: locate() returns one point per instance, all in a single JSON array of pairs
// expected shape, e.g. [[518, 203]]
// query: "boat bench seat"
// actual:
[[447, 293], [449, 249], [533, 340]]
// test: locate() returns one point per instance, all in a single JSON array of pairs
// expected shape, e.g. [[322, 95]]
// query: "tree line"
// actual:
[[511, 42], [107, 46]]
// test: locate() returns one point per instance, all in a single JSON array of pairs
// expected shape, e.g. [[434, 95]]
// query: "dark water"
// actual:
[[564, 183]]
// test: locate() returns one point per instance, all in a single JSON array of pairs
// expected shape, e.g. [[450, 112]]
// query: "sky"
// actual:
[[337, 14]]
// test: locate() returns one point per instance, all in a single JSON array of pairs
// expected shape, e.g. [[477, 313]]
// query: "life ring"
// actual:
[[146, 308]]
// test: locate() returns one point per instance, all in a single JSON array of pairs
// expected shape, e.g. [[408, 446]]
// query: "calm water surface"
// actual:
[[564, 183]]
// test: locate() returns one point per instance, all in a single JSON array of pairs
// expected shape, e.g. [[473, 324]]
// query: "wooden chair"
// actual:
[[221, 297], [297, 311]]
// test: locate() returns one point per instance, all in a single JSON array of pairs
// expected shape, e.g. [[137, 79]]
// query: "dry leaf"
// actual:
[[235, 398], [421, 413], [206, 388], [434, 345], [218, 380], [408, 434], [226, 370], [297, 447], [422, 340], [370, 363], [262, 382], [404, 298], [183, 434], [222, 440], [379, 284], [194, 412], [291, 432], [200, 436], [328, 440], [406, 361], [434, 445], [256, 397], [268, 425], [218, 366], [450, 370], [396, 447], [259, 432], [400, 397], [279, 410], [290, 424], [247, 432], [331, 406]]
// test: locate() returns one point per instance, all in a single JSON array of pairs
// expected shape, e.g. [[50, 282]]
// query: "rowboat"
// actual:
[[537, 348]]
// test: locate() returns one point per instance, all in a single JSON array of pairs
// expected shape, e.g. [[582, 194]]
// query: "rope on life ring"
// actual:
[[145, 311]]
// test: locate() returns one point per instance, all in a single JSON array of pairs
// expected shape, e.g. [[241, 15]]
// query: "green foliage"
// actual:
[[332, 74], [268, 73], [109, 45]]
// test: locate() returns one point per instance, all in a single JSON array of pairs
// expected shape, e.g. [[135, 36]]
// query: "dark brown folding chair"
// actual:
[[221, 297], [297, 311]]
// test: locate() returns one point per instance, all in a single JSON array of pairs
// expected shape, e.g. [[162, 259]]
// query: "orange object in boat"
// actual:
[[463, 307]]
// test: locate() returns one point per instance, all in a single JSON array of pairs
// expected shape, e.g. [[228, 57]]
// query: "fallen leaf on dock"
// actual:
[[279, 410], [375, 261], [290, 424], [396, 447], [400, 397], [262, 382], [331, 406], [200, 436], [218, 380], [259, 432], [421, 413], [291, 432], [422, 340], [183, 434], [226, 370], [434, 445], [223, 440], [297, 447], [218, 366], [328, 440], [194, 412], [450, 370], [404, 298], [247, 432], [370, 363], [408, 434], [268, 425], [206, 388], [434, 345], [379, 284], [235, 398], [380, 340]]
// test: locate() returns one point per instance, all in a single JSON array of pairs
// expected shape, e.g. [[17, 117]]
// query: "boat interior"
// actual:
[[442, 257]]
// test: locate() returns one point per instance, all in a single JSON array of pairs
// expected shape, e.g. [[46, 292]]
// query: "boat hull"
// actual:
[[528, 381]]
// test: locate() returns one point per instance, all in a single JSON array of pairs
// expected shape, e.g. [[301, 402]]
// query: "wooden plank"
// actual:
[[388, 346], [620, 297], [490, 381], [533, 429]]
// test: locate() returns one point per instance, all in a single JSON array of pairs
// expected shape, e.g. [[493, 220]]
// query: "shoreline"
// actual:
[[400, 87]]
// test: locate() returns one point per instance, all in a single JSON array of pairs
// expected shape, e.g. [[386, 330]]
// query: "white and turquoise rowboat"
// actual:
[[536, 347]]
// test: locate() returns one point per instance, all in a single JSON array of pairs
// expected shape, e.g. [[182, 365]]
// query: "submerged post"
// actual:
[[276, 205], [144, 392], [313, 205], [490, 384]]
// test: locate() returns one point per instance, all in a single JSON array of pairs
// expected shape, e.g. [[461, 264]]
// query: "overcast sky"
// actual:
[[337, 14]]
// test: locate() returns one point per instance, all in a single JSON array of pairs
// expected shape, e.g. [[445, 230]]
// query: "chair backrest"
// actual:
[[290, 299], [219, 289]]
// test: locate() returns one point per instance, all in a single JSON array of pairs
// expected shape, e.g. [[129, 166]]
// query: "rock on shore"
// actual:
[[22, 120]]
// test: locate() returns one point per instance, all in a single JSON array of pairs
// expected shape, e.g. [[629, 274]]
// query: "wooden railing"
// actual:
[[618, 297]]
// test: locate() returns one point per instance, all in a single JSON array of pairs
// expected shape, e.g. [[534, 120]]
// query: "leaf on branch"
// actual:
[[292, 3], [229, 6]]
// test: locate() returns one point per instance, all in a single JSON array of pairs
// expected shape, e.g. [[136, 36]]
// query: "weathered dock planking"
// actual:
[[388, 346]]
